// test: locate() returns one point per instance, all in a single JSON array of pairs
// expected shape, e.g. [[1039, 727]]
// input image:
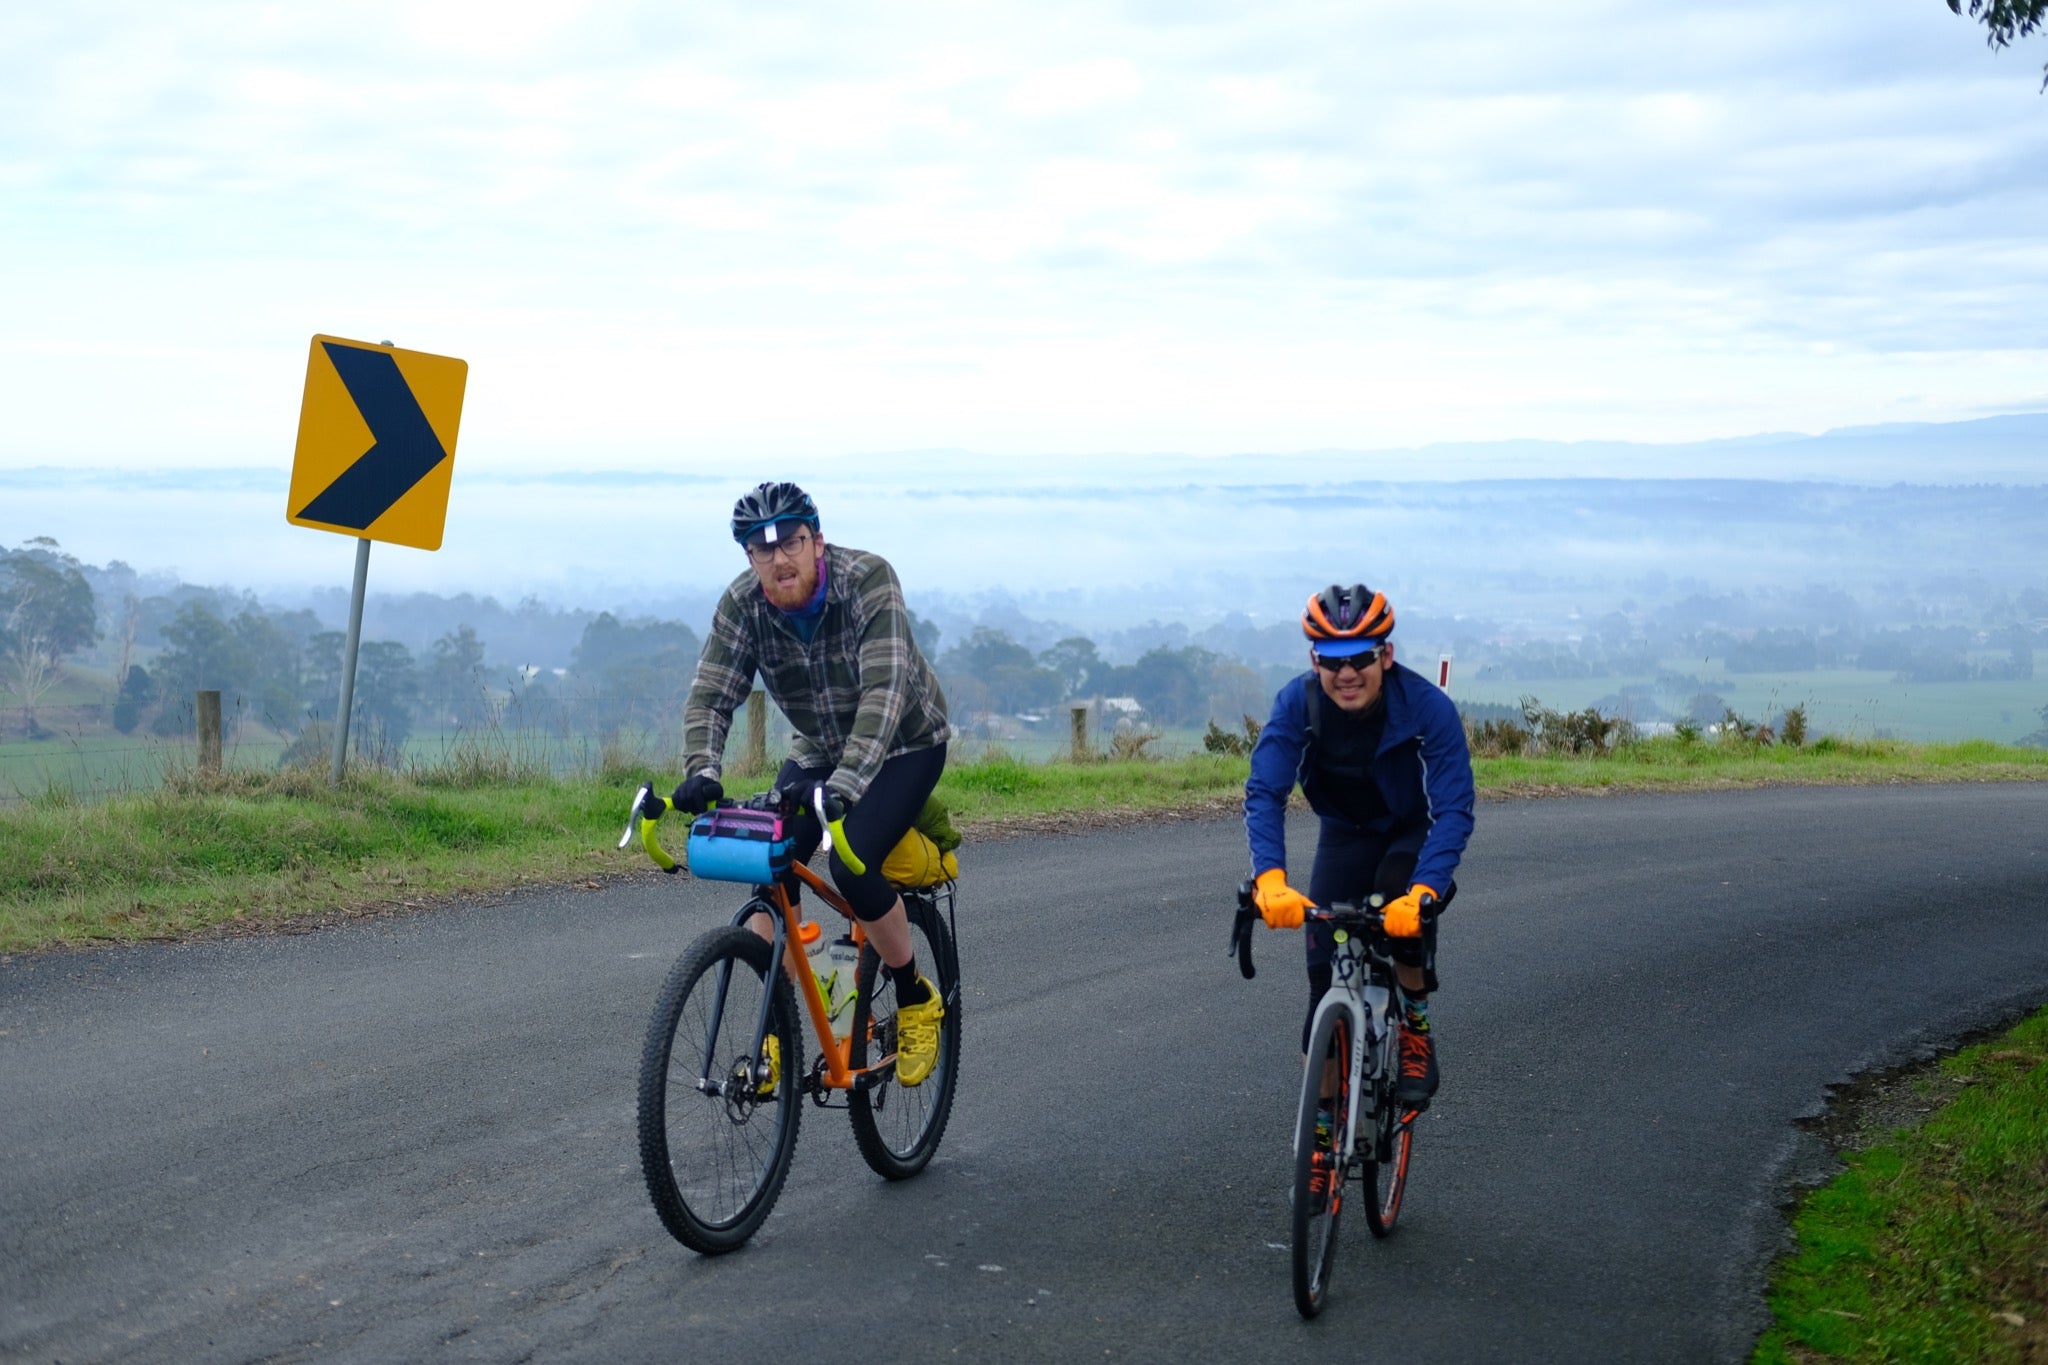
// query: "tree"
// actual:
[[46, 613], [2005, 20], [137, 690], [387, 690], [1775, 651], [1174, 684], [1013, 678], [608, 642], [386, 696], [455, 679], [1076, 661], [985, 650], [925, 633], [203, 652], [641, 670], [131, 622], [272, 677]]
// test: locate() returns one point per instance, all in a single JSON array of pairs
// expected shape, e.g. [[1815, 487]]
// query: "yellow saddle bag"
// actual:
[[924, 856], [917, 861]]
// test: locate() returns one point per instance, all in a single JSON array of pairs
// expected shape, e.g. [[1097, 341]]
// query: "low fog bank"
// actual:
[[1650, 595]]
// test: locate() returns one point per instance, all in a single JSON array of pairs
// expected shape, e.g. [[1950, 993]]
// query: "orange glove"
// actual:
[[1403, 917], [1280, 905]]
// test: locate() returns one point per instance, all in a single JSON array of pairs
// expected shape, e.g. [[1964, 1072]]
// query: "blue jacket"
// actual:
[[1423, 770]]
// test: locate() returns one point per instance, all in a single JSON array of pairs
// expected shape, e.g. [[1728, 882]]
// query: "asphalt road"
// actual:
[[414, 1140]]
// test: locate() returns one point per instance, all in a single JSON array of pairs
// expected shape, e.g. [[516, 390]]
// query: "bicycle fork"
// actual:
[[758, 1067]]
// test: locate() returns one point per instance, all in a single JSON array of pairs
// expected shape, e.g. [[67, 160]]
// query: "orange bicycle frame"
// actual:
[[835, 1050]]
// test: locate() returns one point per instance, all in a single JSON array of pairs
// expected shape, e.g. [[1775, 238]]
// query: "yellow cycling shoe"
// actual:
[[771, 1048], [917, 1035]]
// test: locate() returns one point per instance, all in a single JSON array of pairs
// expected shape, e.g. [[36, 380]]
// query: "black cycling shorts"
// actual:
[[875, 825]]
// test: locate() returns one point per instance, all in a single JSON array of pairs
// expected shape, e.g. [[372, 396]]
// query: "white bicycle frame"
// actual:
[[1370, 1004]]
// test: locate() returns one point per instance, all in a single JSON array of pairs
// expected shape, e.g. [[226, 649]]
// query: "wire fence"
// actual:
[[82, 752]]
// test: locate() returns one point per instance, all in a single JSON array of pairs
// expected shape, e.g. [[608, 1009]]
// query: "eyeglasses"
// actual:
[[1358, 663], [793, 548]]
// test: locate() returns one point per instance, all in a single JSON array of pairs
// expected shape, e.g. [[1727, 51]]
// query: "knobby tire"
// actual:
[[715, 1165], [898, 1127]]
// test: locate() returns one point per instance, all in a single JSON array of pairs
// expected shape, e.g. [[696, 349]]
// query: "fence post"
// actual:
[[757, 733], [208, 713], [1078, 718]]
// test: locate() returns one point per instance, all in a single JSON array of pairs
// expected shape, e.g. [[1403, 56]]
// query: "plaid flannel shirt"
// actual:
[[858, 695]]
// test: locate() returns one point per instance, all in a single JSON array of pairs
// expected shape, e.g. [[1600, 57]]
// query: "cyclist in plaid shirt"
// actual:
[[827, 629]]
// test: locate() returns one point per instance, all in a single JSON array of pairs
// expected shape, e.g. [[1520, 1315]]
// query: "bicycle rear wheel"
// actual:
[[1318, 1200], [898, 1127], [715, 1144]]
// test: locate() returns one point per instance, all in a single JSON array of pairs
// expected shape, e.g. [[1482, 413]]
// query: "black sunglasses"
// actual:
[[1357, 662]]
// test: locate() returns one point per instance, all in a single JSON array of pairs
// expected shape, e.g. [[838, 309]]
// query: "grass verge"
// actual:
[[1930, 1246], [1705, 765], [258, 851]]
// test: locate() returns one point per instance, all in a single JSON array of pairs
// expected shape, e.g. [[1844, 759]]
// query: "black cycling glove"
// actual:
[[696, 794]]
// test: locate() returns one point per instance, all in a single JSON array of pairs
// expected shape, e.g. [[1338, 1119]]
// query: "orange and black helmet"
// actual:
[[1340, 621]]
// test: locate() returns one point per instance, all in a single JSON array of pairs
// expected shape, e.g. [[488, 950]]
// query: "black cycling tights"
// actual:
[[874, 826], [1343, 868]]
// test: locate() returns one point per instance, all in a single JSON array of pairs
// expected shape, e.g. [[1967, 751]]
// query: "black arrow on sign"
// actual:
[[406, 448]]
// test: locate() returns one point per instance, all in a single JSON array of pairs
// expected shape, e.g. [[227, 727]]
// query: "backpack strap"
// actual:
[[1312, 702]]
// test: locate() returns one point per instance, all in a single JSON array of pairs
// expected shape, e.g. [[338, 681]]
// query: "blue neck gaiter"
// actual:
[[806, 617]]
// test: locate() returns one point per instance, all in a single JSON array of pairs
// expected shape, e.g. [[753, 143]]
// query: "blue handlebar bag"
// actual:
[[730, 844]]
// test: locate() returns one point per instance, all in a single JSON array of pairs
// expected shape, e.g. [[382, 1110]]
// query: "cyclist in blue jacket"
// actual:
[[1379, 752]]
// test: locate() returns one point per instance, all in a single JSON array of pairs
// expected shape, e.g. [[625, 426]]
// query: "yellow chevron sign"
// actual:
[[376, 446]]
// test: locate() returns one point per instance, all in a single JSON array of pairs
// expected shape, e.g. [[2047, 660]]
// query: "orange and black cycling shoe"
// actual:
[[1417, 1085], [1325, 1182]]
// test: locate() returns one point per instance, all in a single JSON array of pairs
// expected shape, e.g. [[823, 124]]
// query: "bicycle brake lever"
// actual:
[[1241, 932], [633, 815]]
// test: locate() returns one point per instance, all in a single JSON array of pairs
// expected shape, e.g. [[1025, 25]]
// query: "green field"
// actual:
[[85, 764], [1852, 703]]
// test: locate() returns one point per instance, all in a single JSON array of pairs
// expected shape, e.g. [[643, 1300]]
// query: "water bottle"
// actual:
[[812, 936], [844, 956]]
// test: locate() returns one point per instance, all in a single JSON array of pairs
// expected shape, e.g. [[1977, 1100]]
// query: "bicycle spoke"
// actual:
[[715, 1157], [898, 1127]]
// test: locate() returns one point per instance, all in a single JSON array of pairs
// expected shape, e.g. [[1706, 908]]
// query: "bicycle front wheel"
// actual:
[[715, 1140], [1318, 1199], [898, 1127]]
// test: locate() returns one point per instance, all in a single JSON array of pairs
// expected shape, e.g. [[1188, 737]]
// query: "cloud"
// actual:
[[1009, 227]]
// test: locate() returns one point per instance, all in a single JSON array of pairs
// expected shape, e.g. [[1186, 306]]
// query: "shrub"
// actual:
[[1792, 726], [1218, 740], [1574, 732], [1496, 738], [1126, 745], [1739, 733]]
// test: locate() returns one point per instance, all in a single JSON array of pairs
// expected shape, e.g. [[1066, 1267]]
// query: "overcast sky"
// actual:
[[682, 235]]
